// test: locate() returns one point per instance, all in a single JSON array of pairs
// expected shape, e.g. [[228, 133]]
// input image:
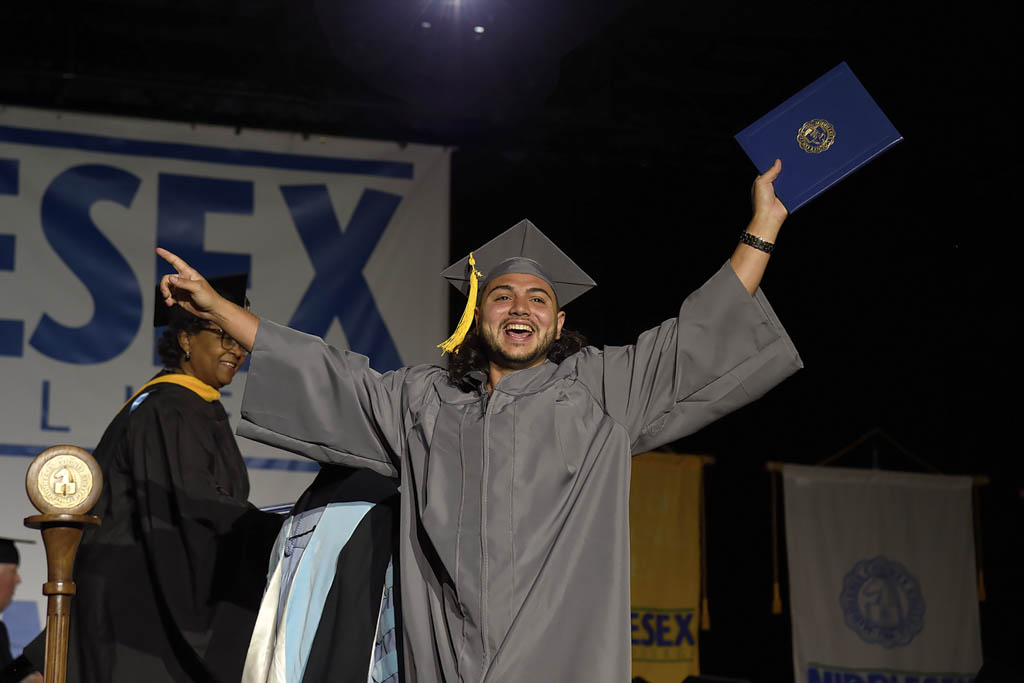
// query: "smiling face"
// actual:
[[214, 356], [518, 319]]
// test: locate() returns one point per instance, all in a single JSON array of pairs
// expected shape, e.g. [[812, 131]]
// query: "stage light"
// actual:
[[425, 24], [478, 29]]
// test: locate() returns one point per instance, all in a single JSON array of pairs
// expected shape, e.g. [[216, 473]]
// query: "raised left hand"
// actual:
[[769, 212]]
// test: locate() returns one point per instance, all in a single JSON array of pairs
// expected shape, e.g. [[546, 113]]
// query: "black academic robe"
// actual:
[[169, 585], [12, 670], [5, 647]]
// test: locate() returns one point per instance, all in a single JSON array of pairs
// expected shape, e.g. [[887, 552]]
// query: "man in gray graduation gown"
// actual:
[[514, 529]]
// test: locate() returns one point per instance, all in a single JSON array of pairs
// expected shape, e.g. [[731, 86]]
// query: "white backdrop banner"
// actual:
[[342, 238], [882, 576]]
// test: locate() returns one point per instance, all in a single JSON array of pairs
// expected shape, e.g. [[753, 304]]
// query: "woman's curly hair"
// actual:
[[167, 346], [472, 353]]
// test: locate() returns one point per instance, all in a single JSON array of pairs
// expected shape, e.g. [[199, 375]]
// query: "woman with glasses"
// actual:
[[169, 585]]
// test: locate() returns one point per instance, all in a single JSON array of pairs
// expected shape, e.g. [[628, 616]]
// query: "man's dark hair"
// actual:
[[167, 347], [472, 353]]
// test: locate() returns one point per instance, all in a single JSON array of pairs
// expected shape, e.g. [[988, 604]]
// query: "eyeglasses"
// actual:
[[227, 342]]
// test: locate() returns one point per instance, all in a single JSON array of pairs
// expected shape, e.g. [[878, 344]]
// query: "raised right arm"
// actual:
[[305, 396], [302, 395]]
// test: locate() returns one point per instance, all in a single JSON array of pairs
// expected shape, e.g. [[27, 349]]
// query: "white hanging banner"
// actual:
[[342, 238], [882, 576]]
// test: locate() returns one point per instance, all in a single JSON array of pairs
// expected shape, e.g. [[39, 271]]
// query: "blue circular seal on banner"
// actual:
[[882, 602]]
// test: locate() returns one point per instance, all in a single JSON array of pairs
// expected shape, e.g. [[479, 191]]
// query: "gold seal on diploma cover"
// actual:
[[64, 480], [816, 136]]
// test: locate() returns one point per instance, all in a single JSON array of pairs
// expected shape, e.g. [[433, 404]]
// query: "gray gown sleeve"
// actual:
[[725, 349], [307, 397]]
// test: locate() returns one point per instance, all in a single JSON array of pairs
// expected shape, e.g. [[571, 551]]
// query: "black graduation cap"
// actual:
[[231, 287], [8, 551], [523, 248]]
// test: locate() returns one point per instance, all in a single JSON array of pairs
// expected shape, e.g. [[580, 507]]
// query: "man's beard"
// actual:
[[497, 355]]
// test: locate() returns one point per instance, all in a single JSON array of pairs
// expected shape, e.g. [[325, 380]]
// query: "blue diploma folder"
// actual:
[[822, 134]]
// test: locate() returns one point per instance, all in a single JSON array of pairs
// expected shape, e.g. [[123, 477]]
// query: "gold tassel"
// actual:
[[451, 344], [705, 616]]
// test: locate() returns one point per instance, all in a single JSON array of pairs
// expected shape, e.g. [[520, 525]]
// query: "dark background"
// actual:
[[609, 123]]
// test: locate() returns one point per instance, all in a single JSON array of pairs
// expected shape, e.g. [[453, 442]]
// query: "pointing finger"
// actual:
[[178, 263]]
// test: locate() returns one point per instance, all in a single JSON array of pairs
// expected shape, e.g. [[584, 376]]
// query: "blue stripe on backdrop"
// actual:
[[23, 450], [217, 155], [282, 464]]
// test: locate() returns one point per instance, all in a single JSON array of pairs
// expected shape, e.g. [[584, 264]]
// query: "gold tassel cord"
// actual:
[[451, 344]]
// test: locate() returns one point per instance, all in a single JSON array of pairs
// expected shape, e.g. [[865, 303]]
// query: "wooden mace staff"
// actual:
[[64, 483]]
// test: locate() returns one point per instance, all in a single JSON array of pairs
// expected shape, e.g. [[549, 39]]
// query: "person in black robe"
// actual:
[[9, 580], [11, 670], [170, 583]]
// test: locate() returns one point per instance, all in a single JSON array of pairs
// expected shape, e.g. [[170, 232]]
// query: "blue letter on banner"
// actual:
[[683, 621], [339, 289], [96, 262], [12, 332], [44, 423], [182, 206]]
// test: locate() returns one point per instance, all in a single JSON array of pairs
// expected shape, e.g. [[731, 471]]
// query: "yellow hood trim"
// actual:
[[201, 388]]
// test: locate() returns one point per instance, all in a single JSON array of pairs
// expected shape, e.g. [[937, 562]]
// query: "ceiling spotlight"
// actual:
[[478, 29]]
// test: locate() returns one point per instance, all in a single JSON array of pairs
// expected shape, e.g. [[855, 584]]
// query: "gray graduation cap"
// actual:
[[523, 248], [8, 551], [231, 287]]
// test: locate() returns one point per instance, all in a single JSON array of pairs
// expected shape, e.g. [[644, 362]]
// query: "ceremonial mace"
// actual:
[[64, 483]]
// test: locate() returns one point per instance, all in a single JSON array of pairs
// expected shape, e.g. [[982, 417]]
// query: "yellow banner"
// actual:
[[664, 530]]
